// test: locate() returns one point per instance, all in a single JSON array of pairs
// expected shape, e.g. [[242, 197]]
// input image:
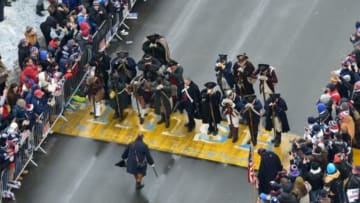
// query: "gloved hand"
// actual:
[[152, 166], [248, 105], [263, 77]]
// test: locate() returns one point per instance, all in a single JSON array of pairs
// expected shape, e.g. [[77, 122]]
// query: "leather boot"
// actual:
[[277, 139]]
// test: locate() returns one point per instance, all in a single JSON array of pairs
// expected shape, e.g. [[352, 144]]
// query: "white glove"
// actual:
[[152, 166], [248, 105], [263, 77]]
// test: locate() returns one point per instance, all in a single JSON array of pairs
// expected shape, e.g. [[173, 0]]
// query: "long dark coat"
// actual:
[[226, 73], [160, 52], [162, 97], [213, 100], [150, 71], [270, 165], [123, 99], [194, 92], [280, 111], [140, 150], [243, 86]]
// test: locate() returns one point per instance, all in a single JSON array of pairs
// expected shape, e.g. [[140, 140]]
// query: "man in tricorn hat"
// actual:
[[156, 46], [268, 79], [243, 71], [210, 102], [122, 72], [275, 112], [251, 113], [162, 100], [224, 76], [230, 105], [174, 74], [150, 67]]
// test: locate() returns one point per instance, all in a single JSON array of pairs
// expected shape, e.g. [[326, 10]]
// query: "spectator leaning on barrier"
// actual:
[[97, 14], [39, 101]]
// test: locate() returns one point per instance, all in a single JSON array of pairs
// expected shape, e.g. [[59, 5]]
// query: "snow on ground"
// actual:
[[21, 14]]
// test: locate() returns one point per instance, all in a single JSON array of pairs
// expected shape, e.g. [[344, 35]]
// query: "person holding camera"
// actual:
[[137, 156]]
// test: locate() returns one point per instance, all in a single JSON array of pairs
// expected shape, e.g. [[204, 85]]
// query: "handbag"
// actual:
[[138, 163]]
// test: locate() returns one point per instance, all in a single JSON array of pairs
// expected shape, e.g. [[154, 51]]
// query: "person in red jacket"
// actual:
[[29, 75]]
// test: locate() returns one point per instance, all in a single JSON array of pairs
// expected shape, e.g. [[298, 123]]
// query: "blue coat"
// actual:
[[135, 152]]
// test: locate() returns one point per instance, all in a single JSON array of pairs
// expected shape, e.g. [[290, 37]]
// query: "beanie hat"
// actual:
[[85, 33], [344, 106], [299, 180], [331, 168], [325, 98], [311, 120], [321, 107], [314, 165], [331, 86], [294, 171], [287, 187]]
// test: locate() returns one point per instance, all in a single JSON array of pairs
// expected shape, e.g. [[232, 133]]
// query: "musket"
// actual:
[[273, 116], [167, 114], [212, 113], [118, 103]]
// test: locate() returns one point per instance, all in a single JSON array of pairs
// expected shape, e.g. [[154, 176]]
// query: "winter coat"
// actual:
[[270, 165], [315, 178], [150, 72], [347, 125], [137, 152], [271, 78], [194, 93], [352, 188], [225, 73], [30, 72], [243, 86], [45, 27], [335, 185], [40, 104], [208, 104], [23, 52], [96, 18], [162, 98], [3, 73], [160, 51], [285, 197], [130, 65], [279, 111]]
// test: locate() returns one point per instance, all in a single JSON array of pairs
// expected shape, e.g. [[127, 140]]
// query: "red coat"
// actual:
[[29, 72]]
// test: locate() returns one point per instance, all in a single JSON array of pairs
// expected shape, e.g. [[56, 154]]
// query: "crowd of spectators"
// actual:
[[67, 31], [321, 162]]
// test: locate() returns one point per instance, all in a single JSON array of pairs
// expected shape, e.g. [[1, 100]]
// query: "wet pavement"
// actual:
[[303, 39]]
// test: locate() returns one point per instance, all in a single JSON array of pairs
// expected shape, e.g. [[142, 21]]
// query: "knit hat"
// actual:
[[85, 33], [333, 126], [343, 114], [28, 29], [315, 167], [331, 168], [294, 171], [321, 107], [84, 26], [287, 187], [299, 180], [344, 106], [311, 120], [325, 98], [331, 87]]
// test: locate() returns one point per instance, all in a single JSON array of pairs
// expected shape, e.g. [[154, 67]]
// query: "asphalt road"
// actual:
[[303, 39]]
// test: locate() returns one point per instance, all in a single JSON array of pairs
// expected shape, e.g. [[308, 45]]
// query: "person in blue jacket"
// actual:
[[138, 156]]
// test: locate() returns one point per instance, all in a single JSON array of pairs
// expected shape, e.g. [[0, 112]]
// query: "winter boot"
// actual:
[[277, 139], [38, 11]]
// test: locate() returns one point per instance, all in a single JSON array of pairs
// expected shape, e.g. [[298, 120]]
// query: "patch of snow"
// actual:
[[17, 17]]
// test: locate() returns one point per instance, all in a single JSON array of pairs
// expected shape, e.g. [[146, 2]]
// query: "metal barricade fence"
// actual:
[[62, 98]]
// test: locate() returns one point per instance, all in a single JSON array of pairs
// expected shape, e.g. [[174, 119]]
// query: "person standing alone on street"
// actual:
[[138, 156]]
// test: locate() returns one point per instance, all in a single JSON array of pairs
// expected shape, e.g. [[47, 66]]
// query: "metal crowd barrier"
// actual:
[[61, 100]]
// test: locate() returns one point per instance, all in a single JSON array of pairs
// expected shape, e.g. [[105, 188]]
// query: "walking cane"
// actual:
[[155, 172]]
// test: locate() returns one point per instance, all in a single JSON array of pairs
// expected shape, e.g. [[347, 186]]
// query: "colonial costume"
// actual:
[[190, 101], [156, 46], [210, 102], [224, 76], [243, 71]]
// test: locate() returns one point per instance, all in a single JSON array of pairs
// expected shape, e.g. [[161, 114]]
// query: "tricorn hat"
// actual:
[[263, 67], [210, 85], [123, 54], [242, 57], [222, 56]]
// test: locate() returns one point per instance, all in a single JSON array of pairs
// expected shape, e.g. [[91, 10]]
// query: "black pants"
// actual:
[[191, 115]]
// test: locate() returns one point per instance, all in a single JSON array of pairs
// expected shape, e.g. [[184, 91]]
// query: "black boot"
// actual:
[[142, 120], [167, 123], [277, 139], [38, 11], [162, 120]]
